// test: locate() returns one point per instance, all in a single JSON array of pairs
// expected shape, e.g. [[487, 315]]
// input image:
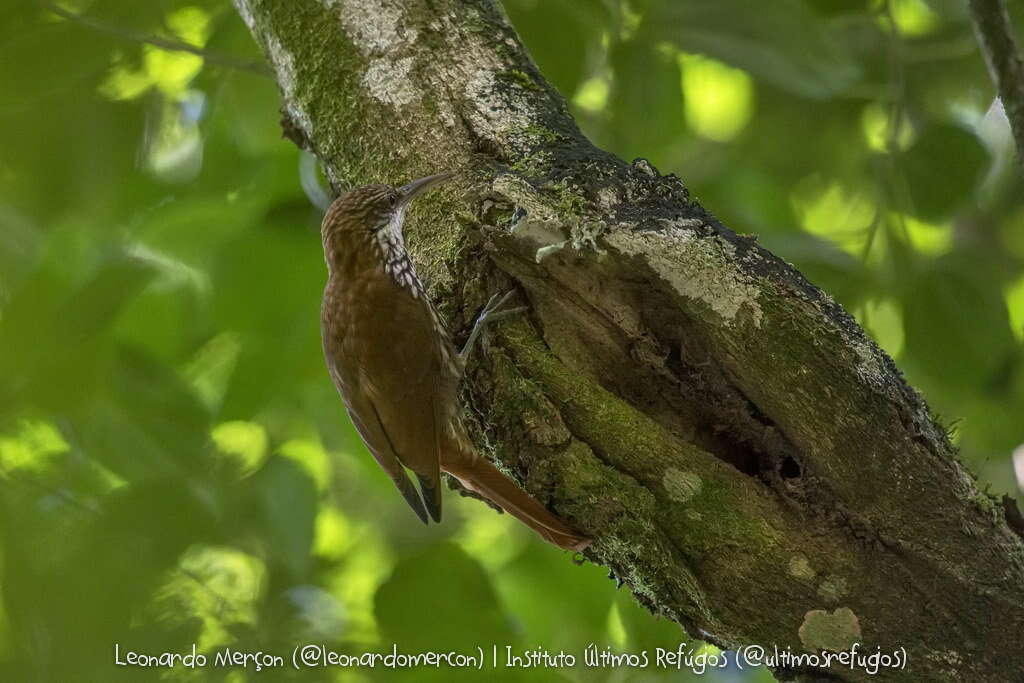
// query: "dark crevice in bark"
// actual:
[[292, 131], [1013, 515], [703, 407], [790, 468]]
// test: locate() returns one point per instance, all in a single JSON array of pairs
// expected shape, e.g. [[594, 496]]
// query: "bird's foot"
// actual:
[[492, 312]]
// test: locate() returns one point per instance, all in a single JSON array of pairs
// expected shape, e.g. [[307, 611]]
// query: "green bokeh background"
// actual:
[[175, 466]]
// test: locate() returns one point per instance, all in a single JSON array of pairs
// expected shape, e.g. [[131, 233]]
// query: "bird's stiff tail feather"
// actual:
[[484, 478]]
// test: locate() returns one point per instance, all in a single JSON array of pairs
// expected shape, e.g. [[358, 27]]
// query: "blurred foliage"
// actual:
[[175, 463]]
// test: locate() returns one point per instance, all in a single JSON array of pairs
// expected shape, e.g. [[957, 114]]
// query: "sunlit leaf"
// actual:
[[219, 587], [33, 447], [883, 320], [209, 370], [841, 215], [311, 457], [357, 580], [642, 630], [719, 99], [877, 122], [1015, 306], [334, 534], [914, 17], [926, 238], [592, 95], [245, 443]]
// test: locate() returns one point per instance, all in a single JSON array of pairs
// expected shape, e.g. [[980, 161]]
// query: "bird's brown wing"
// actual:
[[367, 422], [389, 376]]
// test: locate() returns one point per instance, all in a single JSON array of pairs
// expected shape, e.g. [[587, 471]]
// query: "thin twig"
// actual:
[[157, 41], [995, 34], [897, 187]]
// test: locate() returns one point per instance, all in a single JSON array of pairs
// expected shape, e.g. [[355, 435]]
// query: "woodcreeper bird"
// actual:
[[394, 363]]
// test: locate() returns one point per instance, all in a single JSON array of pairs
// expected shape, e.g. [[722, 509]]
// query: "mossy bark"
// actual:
[[747, 460]]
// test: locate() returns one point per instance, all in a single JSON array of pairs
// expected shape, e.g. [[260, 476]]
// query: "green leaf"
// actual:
[[288, 500], [646, 106], [438, 600], [942, 168], [56, 343], [786, 45], [562, 54], [95, 305], [542, 576], [956, 323], [145, 422], [267, 285], [77, 582], [161, 402]]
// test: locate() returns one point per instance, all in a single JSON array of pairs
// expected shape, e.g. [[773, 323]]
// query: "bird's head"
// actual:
[[373, 208]]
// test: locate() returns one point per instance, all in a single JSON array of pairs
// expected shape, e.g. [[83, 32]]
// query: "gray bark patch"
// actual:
[[835, 631]]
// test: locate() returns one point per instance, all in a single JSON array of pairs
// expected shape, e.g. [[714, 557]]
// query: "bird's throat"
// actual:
[[352, 254]]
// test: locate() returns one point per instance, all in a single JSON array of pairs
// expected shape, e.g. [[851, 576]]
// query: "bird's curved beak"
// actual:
[[417, 187]]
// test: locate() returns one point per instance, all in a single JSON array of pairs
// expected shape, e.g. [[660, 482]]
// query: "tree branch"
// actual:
[[995, 35], [747, 460]]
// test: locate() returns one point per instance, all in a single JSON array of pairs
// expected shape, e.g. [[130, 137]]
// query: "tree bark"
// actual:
[[747, 460], [995, 36]]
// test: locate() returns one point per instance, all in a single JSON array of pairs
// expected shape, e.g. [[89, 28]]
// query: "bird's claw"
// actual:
[[492, 312], [495, 302]]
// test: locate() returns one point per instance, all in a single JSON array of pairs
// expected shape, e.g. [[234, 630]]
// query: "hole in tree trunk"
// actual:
[[790, 469]]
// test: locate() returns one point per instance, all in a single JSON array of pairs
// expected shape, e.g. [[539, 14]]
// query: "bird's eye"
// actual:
[[393, 199]]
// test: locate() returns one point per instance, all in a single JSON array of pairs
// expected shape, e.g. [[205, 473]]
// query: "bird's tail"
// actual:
[[480, 476]]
